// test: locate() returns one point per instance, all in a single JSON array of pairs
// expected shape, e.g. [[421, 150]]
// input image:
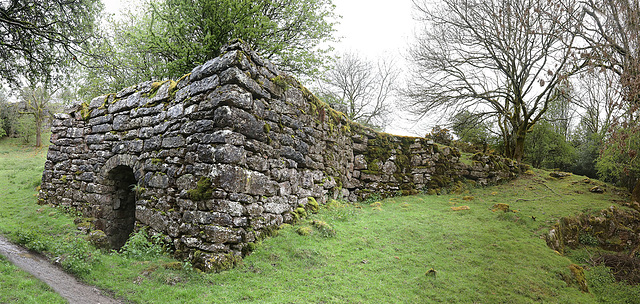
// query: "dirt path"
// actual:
[[61, 282]]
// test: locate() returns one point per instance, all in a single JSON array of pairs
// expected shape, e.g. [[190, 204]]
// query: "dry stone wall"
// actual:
[[220, 158]]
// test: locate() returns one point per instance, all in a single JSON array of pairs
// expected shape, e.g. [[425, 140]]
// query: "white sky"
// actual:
[[372, 28]]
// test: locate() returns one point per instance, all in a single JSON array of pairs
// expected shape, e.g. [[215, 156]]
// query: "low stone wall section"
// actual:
[[221, 157]]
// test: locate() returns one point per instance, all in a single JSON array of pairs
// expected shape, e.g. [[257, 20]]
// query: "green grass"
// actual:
[[465, 158], [17, 286], [381, 253], [19, 167]]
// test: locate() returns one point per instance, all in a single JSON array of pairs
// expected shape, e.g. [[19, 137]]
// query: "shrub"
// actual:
[[76, 256], [32, 241], [588, 239], [618, 161], [141, 246], [546, 148]]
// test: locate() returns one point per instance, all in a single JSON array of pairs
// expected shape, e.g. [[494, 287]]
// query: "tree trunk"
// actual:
[[517, 144], [38, 132], [518, 151]]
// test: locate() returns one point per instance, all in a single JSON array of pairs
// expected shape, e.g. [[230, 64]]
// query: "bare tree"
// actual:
[[502, 58], [561, 110], [360, 88], [598, 95], [612, 31]]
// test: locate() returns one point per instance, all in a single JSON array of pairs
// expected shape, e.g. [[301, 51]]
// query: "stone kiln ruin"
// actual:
[[220, 158]]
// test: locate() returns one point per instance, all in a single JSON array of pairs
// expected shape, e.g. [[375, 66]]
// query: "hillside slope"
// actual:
[[414, 249]]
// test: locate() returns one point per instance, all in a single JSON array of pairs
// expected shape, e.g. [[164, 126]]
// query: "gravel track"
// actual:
[[63, 283]]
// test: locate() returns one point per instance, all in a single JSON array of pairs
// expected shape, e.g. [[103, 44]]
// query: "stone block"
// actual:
[[234, 75], [239, 121], [173, 142], [214, 65], [159, 180], [277, 208], [175, 111], [104, 128], [204, 85], [229, 154], [359, 162]]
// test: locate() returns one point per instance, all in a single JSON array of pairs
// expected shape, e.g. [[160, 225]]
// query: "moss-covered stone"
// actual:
[[302, 213], [578, 274], [325, 229], [281, 81], [501, 207], [99, 239], [202, 191], [172, 265], [304, 230], [312, 205]]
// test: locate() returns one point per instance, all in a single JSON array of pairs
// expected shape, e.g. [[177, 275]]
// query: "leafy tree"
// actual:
[[8, 116], [3, 133], [504, 58], [546, 148], [612, 32], [25, 128], [168, 38], [471, 128], [440, 135], [38, 37], [618, 161], [587, 148], [597, 94], [561, 110], [35, 103], [3, 103], [360, 88]]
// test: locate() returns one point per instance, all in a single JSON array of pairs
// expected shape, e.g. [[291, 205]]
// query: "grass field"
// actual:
[[399, 250]]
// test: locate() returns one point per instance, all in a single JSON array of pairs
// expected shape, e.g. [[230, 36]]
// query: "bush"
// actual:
[[587, 152], [26, 128], [546, 148], [76, 256], [440, 135], [140, 246], [32, 241], [3, 133], [618, 161]]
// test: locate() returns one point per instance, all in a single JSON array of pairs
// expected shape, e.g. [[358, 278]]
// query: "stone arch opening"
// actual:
[[120, 209]]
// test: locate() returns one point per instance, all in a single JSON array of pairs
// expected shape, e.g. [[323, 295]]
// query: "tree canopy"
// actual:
[[612, 32], [38, 37], [502, 58], [168, 38]]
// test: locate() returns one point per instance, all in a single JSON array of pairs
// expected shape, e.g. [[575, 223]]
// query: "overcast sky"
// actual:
[[371, 28]]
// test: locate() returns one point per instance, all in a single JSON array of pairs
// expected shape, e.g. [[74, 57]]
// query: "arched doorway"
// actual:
[[120, 211]]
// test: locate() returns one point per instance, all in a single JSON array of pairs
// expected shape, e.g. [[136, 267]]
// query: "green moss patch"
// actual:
[[202, 191]]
